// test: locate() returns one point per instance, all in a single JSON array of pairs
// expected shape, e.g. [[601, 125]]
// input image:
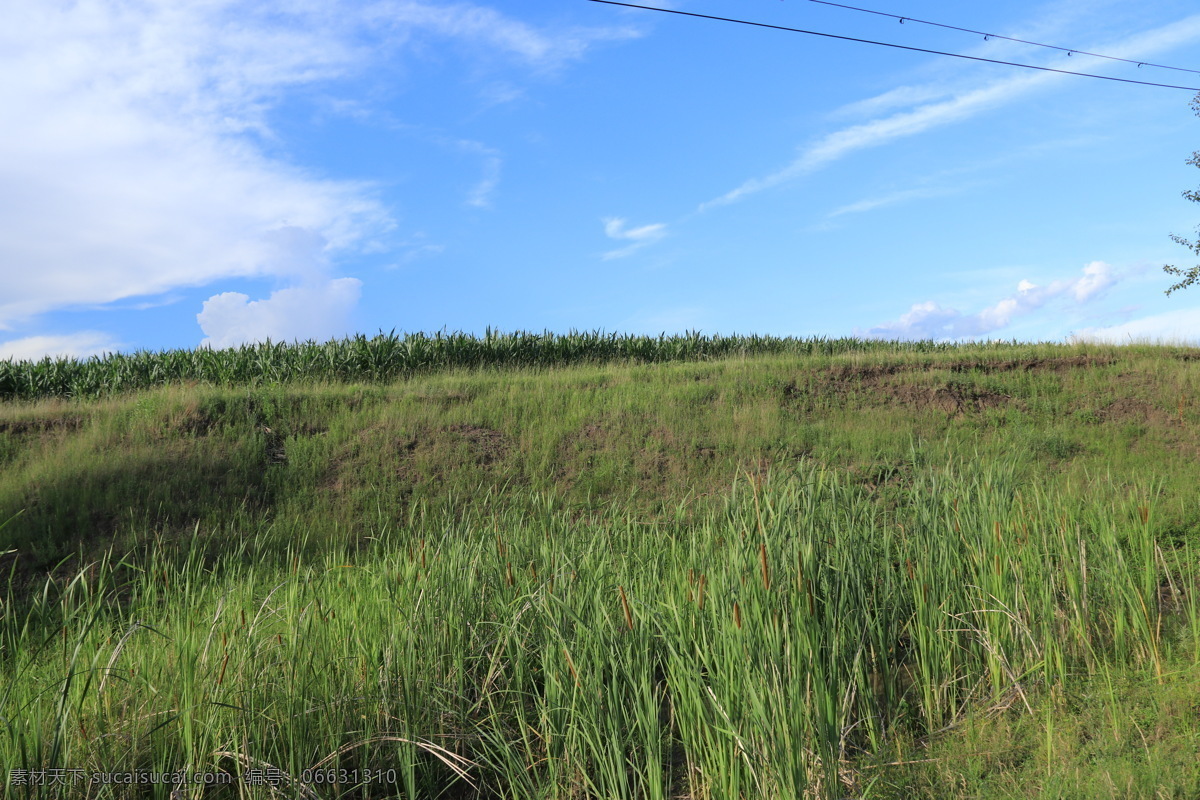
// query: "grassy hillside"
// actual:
[[757, 568]]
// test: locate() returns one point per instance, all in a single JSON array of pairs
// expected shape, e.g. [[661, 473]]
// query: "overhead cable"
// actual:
[[897, 46], [1068, 50]]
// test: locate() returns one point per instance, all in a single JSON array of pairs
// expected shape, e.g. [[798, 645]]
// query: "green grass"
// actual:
[[964, 573]]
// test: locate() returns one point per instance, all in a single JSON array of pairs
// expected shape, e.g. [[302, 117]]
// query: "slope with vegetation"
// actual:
[[604, 567]]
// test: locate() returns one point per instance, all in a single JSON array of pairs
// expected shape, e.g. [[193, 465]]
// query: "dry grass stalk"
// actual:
[[625, 607]]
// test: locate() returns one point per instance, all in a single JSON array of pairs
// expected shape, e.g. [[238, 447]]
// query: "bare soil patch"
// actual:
[[19, 427], [1132, 409], [1030, 364], [955, 398], [487, 445], [196, 422], [875, 373]]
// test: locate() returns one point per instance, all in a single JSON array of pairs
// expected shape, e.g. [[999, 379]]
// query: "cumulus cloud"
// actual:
[[133, 156], [929, 320], [614, 228], [127, 167], [300, 313], [82, 344]]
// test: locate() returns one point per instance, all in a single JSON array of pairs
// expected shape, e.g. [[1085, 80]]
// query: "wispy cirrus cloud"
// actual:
[[933, 111], [929, 320], [481, 25], [842, 143], [480, 195], [893, 198], [614, 228]]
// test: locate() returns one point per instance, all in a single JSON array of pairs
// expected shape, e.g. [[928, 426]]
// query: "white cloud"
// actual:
[[1097, 276], [125, 169], [929, 320], [614, 228], [937, 112], [131, 145], [82, 344], [479, 25], [417, 253], [1172, 327], [895, 198], [881, 131], [900, 97], [319, 312], [480, 195]]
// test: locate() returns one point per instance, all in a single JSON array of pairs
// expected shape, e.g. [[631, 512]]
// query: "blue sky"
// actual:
[[211, 172]]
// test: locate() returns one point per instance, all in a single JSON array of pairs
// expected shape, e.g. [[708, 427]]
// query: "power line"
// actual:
[[897, 46], [986, 36]]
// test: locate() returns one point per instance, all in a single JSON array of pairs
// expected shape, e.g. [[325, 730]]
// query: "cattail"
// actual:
[[737, 614], [625, 607], [700, 592], [1145, 512], [508, 572], [766, 575], [224, 663]]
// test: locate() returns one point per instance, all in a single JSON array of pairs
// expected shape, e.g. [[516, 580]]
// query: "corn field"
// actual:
[[388, 357]]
